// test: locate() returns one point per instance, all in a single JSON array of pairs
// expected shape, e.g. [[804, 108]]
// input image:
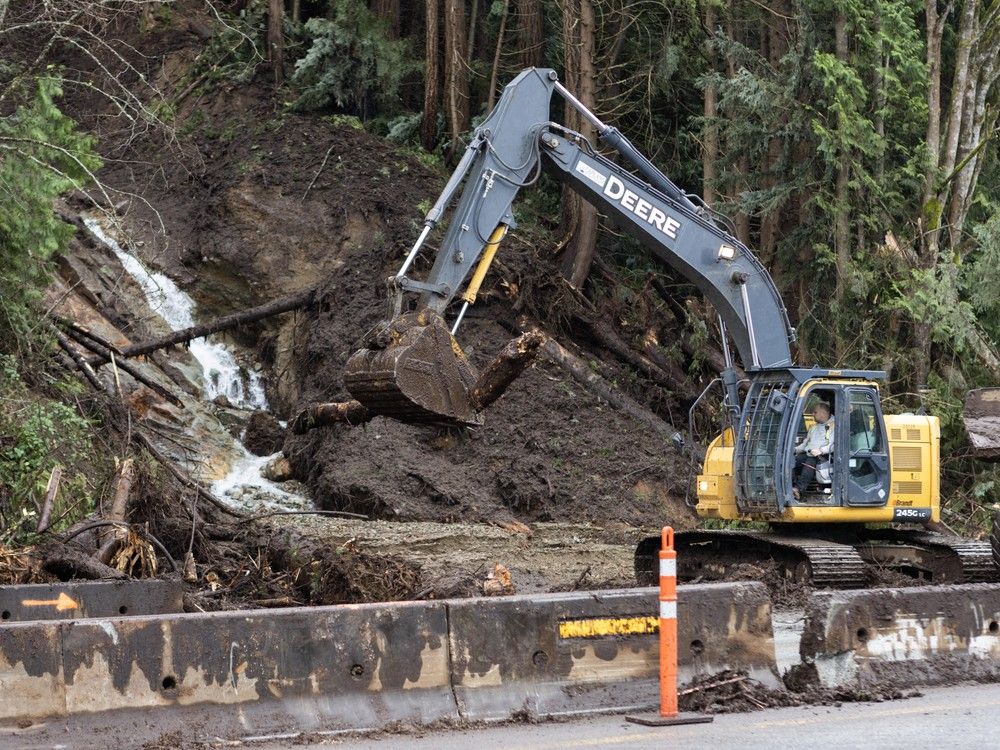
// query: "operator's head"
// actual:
[[821, 412]]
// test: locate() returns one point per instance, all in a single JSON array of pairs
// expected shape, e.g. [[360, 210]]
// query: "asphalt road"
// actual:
[[966, 716]]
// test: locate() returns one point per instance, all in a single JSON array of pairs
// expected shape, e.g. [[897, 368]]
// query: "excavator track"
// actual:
[[709, 554], [930, 556], [925, 555]]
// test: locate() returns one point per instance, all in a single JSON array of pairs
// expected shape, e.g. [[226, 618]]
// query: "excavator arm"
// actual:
[[507, 153]]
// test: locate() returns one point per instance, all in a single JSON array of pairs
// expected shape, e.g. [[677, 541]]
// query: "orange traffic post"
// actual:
[[668, 643], [668, 624]]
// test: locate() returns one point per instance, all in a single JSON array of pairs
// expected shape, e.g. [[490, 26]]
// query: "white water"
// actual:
[[221, 375], [245, 481]]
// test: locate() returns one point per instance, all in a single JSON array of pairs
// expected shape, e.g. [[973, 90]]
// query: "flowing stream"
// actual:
[[221, 375]]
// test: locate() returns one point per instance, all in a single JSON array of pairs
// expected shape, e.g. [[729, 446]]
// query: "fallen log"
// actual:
[[81, 363], [323, 415], [581, 373], [505, 368], [111, 540], [661, 370], [84, 331], [91, 344], [66, 562], [275, 307]]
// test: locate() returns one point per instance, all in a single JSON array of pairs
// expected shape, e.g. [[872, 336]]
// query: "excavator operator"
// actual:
[[815, 449]]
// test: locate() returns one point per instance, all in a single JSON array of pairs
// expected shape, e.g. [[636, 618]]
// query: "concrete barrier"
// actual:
[[77, 600], [239, 674], [31, 675], [558, 654], [344, 667], [909, 636]]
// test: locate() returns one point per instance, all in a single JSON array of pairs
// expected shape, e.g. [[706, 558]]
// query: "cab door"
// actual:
[[862, 451]]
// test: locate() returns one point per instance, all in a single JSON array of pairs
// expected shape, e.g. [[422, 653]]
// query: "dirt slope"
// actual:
[[256, 202]]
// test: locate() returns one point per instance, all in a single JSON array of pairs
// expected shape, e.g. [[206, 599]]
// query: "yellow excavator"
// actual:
[[874, 468]]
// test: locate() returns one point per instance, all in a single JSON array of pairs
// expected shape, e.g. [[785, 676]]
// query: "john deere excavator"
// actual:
[[882, 469]]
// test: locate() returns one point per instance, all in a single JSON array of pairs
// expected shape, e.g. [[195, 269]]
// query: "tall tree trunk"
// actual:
[[930, 219], [881, 98], [470, 43], [501, 35], [432, 82], [276, 38], [710, 152], [842, 229], [775, 46], [388, 11], [742, 219], [532, 33], [580, 217], [966, 39], [976, 110], [456, 74]]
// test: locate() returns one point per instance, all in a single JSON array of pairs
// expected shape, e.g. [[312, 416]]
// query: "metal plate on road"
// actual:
[[74, 601]]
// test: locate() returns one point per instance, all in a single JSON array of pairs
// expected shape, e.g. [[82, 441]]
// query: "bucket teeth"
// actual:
[[421, 376]]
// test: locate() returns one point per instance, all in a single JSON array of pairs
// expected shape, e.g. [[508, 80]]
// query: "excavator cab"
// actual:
[[776, 418]]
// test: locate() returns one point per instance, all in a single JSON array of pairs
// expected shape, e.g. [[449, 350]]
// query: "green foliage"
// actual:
[[39, 433], [350, 62], [233, 54], [41, 156]]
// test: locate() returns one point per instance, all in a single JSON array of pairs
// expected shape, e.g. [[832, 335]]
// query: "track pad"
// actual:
[[420, 376]]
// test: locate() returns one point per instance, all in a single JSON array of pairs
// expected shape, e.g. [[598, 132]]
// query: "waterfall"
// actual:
[[221, 374]]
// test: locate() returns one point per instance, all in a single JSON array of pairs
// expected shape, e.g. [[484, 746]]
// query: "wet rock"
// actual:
[[264, 435], [278, 469]]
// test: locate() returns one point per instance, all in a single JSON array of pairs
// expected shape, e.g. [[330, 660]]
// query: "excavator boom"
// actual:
[[407, 376]]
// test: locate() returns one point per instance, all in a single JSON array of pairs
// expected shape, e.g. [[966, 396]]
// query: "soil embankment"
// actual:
[[246, 202]]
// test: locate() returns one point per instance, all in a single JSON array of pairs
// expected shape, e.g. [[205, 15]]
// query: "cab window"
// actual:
[[863, 423]]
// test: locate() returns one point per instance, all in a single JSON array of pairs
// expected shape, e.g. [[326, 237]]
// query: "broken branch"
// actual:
[[101, 351], [505, 368], [275, 307]]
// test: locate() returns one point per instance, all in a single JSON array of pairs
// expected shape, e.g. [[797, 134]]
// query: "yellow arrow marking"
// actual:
[[61, 603]]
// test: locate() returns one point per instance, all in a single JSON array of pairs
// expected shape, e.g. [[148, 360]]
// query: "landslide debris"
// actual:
[[732, 691], [263, 202], [257, 202]]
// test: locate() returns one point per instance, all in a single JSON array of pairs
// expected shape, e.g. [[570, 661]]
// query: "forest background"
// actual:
[[853, 145]]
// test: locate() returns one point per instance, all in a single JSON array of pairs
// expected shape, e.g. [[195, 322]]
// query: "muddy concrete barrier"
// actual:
[[559, 654], [74, 601], [910, 636], [345, 667], [367, 666]]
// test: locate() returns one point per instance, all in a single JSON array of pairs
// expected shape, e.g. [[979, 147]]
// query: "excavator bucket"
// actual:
[[420, 374], [982, 422]]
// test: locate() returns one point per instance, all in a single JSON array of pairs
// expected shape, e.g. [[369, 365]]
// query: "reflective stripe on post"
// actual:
[[668, 624]]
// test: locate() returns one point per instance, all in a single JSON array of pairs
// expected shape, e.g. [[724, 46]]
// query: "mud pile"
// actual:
[[258, 202]]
